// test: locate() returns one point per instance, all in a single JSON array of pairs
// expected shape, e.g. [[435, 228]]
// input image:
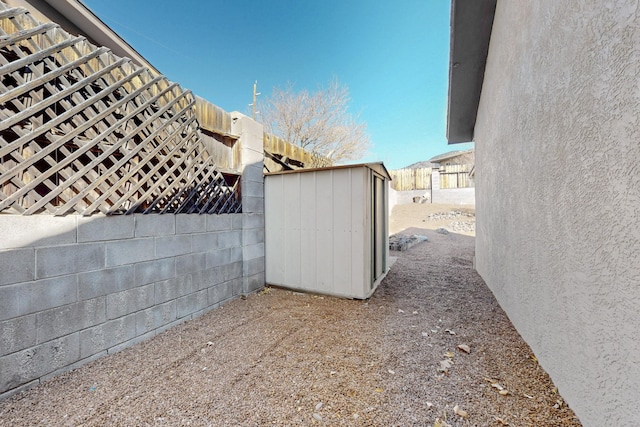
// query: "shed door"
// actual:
[[379, 227]]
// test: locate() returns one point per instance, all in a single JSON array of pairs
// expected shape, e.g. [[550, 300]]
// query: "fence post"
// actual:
[[435, 182]]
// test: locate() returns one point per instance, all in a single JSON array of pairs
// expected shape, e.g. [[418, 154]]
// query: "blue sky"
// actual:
[[392, 54]]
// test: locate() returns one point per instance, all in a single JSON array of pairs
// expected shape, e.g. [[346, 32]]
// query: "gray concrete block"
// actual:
[[220, 257], [99, 227], [155, 317], [20, 231], [204, 242], [131, 342], [253, 220], [61, 321], [253, 251], [130, 251], [253, 266], [219, 293], [47, 293], [73, 366], [155, 271], [107, 335], [176, 287], [103, 282], [254, 283], [17, 265], [237, 221], [122, 303], [17, 390], [218, 222], [191, 263], [169, 246], [9, 301], [231, 271], [68, 259], [253, 158], [17, 334], [235, 254], [253, 173], [189, 304], [251, 236], [237, 286], [253, 188], [172, 324], [24, 366], [190, 223], [230, 239], [154, 225], [206, 278], [252, 204]]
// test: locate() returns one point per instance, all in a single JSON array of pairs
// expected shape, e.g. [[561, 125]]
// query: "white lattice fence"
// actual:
[[84, 131]]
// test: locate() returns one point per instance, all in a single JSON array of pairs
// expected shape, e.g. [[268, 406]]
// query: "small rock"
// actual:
[[443, 231], [318, 406], [465, 348], [317, 416]]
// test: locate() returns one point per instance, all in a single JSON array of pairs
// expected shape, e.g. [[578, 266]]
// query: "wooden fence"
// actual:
[[451, 176], [83, 131]]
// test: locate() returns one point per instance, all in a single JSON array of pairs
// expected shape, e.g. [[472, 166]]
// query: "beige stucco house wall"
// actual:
[[557, 138]]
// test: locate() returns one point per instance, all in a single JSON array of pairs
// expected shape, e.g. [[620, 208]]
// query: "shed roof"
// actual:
[[377, 167], [450, 154], [471, 23]]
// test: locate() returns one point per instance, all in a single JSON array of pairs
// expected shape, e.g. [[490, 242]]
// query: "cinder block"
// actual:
[[251, 236], [235, 254], [30, 231], [218, 222], [107, 335], [254, 283], [236, 221], [252, 158], [204, 242], [103, 282], [219, 293], [168, 290], [190, 223], [17, 265], [48, 293], [237, 286], [17, 334], [20, 389], [73, 366], [155, 317], [130, 301], [98, 228], [154, 225], [253, 204], [253, 173], [220, 257], [191, 263], [61, 321], [130, 251], [24, 366], [230, 239], [206, 278], [232, 271], [253, 251], [130, 343], [9, 301], [191, 303], [253, 188], [253, 266], [169, 246], [253, 220], [155, 271], [68, 259]]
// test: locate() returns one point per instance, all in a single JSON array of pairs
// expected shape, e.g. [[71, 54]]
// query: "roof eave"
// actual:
[[471, 22]]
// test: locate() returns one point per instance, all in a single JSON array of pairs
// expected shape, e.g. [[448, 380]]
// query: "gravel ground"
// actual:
[[285, 358]]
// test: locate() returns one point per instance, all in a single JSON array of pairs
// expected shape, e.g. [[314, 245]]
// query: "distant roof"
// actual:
[[471, 23], [450, 154], [420, 165]]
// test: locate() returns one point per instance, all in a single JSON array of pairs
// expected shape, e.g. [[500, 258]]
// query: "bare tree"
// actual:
[[318, 122]]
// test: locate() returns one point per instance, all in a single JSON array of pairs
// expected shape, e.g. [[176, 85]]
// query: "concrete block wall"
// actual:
[[73, 288]]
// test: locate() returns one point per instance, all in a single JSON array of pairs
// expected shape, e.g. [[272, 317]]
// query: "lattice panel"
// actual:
[[83, 131]]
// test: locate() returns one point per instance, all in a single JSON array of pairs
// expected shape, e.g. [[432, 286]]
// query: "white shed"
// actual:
[[327, 229]]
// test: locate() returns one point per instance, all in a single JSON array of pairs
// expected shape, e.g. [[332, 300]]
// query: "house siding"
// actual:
[[558, 194]]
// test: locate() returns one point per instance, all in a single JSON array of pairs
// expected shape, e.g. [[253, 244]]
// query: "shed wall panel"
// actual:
[[308, 229]]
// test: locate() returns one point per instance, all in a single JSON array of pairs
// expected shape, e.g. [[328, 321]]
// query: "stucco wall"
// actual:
[[558, 194]]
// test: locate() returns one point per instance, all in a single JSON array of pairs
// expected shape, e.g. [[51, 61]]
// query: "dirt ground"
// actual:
[[430, 348]]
